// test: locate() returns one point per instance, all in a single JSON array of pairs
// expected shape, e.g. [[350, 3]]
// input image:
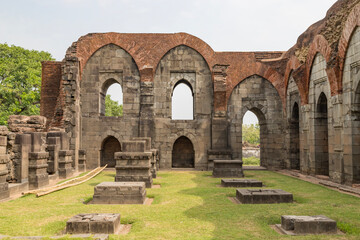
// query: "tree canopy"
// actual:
[[112, 108], [251, 134], [20, 81]]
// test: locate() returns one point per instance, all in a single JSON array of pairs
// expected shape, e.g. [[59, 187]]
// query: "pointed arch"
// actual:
[[110, 145], [183, 153]]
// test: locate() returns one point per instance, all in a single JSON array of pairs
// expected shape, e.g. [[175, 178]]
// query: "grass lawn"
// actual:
[[251, 161], [189, 205]]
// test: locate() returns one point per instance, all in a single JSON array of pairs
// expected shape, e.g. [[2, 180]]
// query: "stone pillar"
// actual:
[[22, 149], [134, 164], [53, 148], [146, 103], [4, 159], [65, 160], [38, 176], [148, 149], [82, 161], [219, 125]]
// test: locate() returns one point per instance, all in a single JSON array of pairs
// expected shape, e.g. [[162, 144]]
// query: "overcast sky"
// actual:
[[226, 25]]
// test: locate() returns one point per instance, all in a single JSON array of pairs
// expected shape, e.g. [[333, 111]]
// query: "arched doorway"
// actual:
[[251, 139], [183, 154], [110, 146], [321, 137], [294, 138]]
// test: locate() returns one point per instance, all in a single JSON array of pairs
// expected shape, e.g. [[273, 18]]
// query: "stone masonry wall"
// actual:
[[108, 65], [183, 63], [351, 110]]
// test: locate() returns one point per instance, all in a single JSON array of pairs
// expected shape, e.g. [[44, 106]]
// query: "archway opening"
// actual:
[[294, 138], [321, 137], [251, 139], [110, 146], [111, 99], [182, 101], [183, 154]]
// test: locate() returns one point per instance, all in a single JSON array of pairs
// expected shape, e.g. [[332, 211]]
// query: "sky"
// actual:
[[226, 25]]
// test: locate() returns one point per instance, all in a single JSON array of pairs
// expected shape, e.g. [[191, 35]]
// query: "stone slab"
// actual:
[[228, 168], [119, 193], [308, 224], [107, 223], [241, 183], [263, 196]]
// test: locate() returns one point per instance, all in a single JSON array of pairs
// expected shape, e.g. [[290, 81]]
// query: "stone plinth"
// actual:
[[4, 159], [82, 161], [65, 161], [134, 167], [217, 155], [38, 176], [301, 225], [240, 183], [94, 223], [134, 146], [263, 196], [228, 168], [119, 193], [22, 149]]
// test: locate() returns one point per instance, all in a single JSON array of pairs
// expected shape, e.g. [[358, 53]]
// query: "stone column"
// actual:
[[134, 164], [65, 161], [22, 149], [82, 161], [53, 148], [148, 149], [4, 159], [219, 125], [38, 176], [146, 103]]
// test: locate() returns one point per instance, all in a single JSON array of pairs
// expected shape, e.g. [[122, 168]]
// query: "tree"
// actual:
[[20, 81], [112, 108], [251, 134]]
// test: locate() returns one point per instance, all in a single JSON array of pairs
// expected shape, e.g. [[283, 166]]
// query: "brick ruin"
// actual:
[[307, 101]]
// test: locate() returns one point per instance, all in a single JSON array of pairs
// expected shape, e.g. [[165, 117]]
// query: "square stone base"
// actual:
[[263, 196], [65, 172], [94, 223], [301, 225], [38, 181], [119, 193], [240, 183], [228, 168], [4, 190], [146, 179]]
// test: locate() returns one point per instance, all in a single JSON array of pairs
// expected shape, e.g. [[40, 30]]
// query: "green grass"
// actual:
[[251, 161], [189, 205]]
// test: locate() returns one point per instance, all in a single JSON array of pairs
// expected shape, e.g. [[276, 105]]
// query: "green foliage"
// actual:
[[112, 108], [20, 81], [251, 161], [251, 133]]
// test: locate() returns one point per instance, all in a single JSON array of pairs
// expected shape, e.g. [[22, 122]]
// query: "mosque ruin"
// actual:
[[307, 100]]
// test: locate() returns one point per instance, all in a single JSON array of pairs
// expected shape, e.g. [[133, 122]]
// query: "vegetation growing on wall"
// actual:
[[20, 81]]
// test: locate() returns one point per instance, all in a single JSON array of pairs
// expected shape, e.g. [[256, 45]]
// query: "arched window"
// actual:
[[321, 137], [111, 99], [294, 138], [251, 139], [182, 101]]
